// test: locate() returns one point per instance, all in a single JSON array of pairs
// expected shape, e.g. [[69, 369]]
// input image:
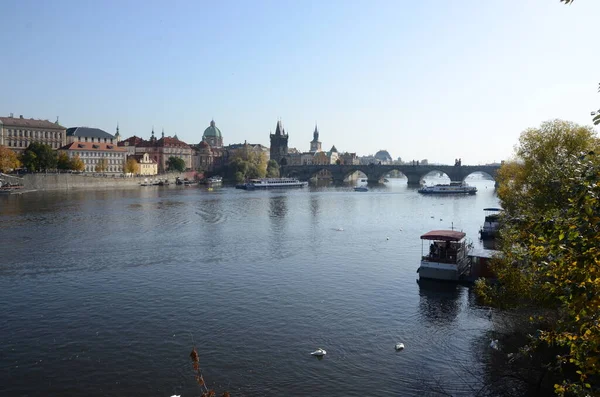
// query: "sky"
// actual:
[[427, 79]]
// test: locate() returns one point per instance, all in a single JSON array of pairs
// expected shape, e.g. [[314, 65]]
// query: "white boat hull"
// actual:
[[439, 271]]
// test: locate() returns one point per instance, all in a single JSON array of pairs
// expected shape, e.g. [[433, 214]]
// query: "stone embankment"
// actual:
[[43, 181]]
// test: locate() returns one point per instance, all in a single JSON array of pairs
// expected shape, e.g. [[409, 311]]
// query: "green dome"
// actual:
[[212, 130]]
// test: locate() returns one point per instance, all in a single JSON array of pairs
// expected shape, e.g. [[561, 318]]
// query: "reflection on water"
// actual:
[[103, 291], [439, 301]]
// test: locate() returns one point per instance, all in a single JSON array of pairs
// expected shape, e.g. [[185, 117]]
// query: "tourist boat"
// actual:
[[447, 255], [271, 183], [452, 188], [490, 227], [361, 189]]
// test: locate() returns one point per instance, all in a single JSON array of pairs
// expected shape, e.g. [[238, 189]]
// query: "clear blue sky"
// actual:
[[434, 79]]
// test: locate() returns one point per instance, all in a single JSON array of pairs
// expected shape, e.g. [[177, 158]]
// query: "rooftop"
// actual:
[[87, 132], [31, 123], [443, 235]]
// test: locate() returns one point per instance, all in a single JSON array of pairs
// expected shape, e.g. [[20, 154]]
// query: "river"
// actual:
[[104, 293]]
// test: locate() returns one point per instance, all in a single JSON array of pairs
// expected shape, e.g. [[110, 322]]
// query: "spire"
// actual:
[[163, 132], [117, 133], [316, 133], [278, 129], [175, 136], [212, 123]]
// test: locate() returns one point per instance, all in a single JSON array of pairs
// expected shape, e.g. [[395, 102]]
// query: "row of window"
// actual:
[[35, 134], [24, 144], [91, 168], [98, 154]]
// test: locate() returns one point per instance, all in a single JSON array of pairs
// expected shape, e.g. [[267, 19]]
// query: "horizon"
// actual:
[[431, 80]]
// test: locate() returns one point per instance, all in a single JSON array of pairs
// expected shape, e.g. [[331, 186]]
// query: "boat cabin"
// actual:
[[446, 246]]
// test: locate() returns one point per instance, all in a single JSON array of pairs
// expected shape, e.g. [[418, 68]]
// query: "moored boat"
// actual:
[[271, 183], [214, 180], [452, 188], [490, 227], [361, 189], [447, 255]]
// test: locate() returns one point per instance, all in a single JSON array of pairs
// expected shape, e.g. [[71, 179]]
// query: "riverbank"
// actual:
[[51, 182]]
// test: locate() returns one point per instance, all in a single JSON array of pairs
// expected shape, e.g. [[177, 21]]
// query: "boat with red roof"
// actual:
[[446, 257]]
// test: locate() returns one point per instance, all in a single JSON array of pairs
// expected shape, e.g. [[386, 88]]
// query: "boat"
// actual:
[[452, 188], [214, 180], [271, 183], [490, 227], [361, 189], [447, 255], [185, 182]]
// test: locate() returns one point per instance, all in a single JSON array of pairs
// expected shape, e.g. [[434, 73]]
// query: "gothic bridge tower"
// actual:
[[279, 145]]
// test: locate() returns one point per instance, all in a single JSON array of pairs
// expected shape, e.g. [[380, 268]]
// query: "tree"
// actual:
[[550, 260], [175, 164], [272, 169], [8, 159], [131, 166], [38, 157], [102, 166], [63, 161], [77, 164]]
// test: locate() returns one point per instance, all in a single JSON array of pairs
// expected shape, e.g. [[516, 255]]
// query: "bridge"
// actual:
[[375, 173]]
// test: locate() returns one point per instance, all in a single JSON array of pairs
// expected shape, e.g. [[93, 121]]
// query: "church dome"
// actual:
[[212, 131], [383, 155]]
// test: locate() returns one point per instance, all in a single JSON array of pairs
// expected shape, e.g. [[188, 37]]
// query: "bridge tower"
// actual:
[[279, 145]]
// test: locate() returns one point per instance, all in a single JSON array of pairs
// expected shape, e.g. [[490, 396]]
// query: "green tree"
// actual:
[[550, 260], [175, 164], [101, 166], [63, 161], [131, 166], [8, 159], [39, 157], [272, 169], [77, 164]]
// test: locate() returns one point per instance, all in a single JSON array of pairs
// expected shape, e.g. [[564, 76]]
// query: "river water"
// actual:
[[105, 292]]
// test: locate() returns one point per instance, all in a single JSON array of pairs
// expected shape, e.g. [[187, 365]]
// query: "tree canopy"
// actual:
[[175, 164], [246, 164], [8, 159], [550, 253], [39, 157], [77, 163], [272, 169], [131, 166]]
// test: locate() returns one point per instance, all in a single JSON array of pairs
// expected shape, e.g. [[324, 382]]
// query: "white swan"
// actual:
[[399, 346], [319, 352]]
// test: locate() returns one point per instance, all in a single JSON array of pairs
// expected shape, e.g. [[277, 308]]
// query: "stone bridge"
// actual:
[[375, 173]]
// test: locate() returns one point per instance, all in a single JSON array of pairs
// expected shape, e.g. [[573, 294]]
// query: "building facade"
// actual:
[[147, 165], [18, 133], [94, 154], [159, 150], [279, 145]]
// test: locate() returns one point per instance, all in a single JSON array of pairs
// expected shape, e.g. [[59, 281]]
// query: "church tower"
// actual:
[[279, 145], [315, 145]]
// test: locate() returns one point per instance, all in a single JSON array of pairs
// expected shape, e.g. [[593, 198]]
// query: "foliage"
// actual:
[[38, 157], [131, 166], [206, 392], [272, 169], [77, 163], [63, 161], [246, 164], [551, 257], [175, 164], [8, 159], [102, 166]]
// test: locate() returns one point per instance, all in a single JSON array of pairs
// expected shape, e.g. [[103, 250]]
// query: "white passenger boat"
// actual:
[[271, 183], [447, 255], [214, 180], [452, 188]]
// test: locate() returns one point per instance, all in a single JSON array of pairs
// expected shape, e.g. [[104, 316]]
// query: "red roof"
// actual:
[[109, 147], [443, 235]]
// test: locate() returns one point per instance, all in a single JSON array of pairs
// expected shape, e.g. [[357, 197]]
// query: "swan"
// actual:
[[319, 352], [399, 346]]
